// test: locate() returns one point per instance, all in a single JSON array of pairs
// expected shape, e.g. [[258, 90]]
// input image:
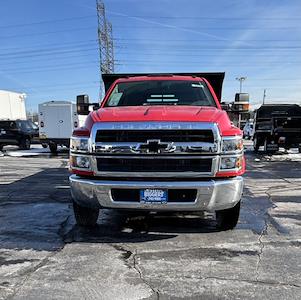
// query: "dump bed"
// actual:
[[279, 120], [215, 79]]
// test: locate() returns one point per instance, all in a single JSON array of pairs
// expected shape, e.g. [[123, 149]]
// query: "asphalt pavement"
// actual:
[[44, 255]]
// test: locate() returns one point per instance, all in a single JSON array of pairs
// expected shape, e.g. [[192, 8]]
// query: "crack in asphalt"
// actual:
[[261, 248], [128, 255], [135, 266]]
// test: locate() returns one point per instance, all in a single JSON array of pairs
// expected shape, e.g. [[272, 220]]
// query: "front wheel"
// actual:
[[85, 216], [25, 144], [227, 219], [53, 147]]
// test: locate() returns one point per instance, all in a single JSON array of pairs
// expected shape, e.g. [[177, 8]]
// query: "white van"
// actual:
[[57, 120]]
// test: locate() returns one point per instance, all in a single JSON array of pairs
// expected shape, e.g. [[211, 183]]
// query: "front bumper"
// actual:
[[212, 194]]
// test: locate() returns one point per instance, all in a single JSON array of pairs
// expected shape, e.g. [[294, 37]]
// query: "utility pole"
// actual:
[[105, 40], [240, 79], [264, 96]]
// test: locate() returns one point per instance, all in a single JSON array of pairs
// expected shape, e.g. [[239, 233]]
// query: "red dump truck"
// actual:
[[158, 142]]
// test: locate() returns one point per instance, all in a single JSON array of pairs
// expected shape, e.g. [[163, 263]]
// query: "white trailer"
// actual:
[[12, 105], [57, 120]]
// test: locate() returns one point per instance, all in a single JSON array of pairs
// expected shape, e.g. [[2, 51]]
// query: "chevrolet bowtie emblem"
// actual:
[[154, 146]]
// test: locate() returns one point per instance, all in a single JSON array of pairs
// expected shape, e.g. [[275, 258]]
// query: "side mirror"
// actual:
[[96, 106], [82, 104], [225, 106]]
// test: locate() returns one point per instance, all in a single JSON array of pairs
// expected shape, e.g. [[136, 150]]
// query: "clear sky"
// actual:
[[49, 50]]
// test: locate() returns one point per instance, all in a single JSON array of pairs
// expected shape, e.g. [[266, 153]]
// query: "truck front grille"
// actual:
[[142, 136], [141, 164], [155, 149], [173, 195]]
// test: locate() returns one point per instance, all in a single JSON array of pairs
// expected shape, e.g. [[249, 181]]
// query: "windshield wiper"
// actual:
[[159, 103]]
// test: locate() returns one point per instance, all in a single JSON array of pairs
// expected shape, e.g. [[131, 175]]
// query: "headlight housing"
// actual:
[[79, 144], [231, 163], [232, 144]]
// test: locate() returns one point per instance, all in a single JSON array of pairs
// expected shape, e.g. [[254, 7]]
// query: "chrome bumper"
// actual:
[[211, 194]]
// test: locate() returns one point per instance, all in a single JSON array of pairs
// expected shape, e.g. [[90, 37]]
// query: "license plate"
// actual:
[[153, 196]]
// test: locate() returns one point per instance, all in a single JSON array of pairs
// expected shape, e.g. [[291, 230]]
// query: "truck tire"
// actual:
[[44, 145], [256, 144], [53, 147], [1, 147], [265, 146], [84, 216], [227, 219], [25, 143], [299, 148]]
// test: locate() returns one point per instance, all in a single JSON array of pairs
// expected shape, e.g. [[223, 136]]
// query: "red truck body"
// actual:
[[188, 116]]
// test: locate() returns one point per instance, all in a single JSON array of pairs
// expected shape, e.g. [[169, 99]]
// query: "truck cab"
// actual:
[[158, 143]]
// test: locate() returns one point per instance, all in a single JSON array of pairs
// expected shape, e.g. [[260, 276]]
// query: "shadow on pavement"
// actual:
[[119, 227]]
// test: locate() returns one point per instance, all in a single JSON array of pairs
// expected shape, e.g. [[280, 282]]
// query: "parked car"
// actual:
[[277, 125], [248, 130], [158, 143], [18, 132]]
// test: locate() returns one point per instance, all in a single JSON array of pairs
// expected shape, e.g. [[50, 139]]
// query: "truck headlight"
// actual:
[[79, 144], [232, 144], [231, 162]]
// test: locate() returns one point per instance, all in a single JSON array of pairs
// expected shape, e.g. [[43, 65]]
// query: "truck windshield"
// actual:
[[161, 92]]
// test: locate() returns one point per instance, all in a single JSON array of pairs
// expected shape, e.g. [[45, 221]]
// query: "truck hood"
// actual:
[[162, 113]]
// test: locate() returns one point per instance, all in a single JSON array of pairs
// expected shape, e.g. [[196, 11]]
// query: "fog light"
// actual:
[[82, 162]]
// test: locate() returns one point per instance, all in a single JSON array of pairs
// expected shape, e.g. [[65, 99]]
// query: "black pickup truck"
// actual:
[[277, 125]]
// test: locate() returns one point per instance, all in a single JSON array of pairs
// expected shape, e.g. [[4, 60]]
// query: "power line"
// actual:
[[47, 21], [51, 66], [64, 49], [33, 46], [119, 15], [232, 60], [52, 53], [238, 28], [217, 47], [74, 67], [41, 50], [42, 59], [47, 32], [193, 40]]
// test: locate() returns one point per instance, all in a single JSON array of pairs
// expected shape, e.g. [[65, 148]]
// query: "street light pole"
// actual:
[[264, 96], [241, 79]]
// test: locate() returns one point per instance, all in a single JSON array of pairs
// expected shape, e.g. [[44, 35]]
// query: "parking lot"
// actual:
[[43, 254]]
